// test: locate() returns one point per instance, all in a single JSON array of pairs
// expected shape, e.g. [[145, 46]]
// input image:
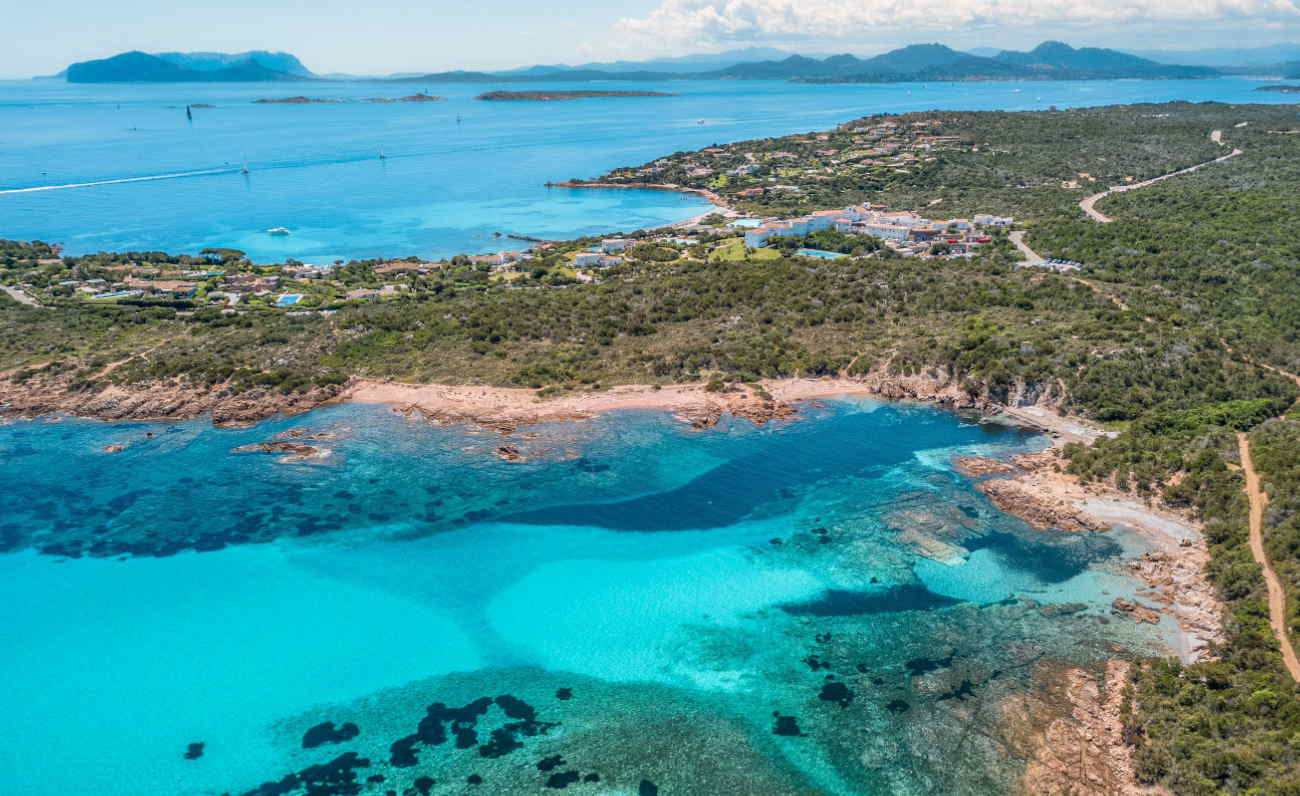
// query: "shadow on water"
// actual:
[[1050, 563], [837, 602], [842, 446]]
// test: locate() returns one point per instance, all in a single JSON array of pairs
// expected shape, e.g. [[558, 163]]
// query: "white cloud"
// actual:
[[704, 23]]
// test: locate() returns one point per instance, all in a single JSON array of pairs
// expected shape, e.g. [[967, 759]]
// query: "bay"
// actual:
[[444, 187]]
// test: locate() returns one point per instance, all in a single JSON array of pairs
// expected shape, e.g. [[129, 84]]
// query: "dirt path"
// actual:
[[1116, 300], [112, 366], [19, 296], [1088, 205], [1276, 595]]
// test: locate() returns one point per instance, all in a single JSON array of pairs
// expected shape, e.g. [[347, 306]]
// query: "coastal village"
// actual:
[[227, 279], [772, 198]]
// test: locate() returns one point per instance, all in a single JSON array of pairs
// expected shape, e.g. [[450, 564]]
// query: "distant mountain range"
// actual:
[[935, 62], [1228, 57], [139, 67], [919, 62], [686, 64]]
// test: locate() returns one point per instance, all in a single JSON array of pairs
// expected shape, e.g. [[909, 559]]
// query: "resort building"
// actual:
[[616, 245]]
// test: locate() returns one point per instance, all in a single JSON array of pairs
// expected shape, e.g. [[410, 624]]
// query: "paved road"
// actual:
[[1276, 595], [1088, 205], [1031, 257]]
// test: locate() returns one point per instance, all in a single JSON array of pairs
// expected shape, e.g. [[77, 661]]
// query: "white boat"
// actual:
[[278, 231]]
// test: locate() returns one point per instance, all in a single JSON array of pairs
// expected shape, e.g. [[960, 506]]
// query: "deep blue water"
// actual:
[[637, 598], [445, 187]]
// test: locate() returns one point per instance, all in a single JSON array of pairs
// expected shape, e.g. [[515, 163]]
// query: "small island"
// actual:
[[1281, 89], [312, 100], [412, 98], [548, 96], [293, 101]]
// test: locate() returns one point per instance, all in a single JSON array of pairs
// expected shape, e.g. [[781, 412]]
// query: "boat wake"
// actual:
[[176, 175]]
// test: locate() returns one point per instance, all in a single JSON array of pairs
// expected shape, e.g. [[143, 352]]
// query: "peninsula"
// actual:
[[546, 96], [1281, 89]]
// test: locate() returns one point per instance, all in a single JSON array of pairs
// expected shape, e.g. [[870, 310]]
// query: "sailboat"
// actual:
[[382, 156], [458, 118], [244, 169], [188, 115]]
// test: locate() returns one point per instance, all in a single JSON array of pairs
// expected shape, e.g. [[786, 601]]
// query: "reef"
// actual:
[[326, 732]]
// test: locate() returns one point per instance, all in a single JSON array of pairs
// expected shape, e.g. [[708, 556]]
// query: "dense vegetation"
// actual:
[[1163, 334]]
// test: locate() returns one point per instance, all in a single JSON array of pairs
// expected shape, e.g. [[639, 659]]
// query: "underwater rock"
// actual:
[[838, 602], [335, 778], [194, 750], [835, 691], [325, 732], [1062, 609], [563, 779], [564, 694], [548, 763], [647, 788], [509, 453], [786, 725], [922, 666], [424, 785], [290, 451], [897, 706], [1135, 610], [975, 466], [474, 779]]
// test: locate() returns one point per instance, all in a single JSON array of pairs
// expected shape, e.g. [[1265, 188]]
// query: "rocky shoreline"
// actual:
[[1072, 741]]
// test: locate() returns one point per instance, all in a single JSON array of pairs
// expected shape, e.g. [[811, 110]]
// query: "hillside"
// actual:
[[1177, 332], [139, 67], [1054, 56], [211, 62]]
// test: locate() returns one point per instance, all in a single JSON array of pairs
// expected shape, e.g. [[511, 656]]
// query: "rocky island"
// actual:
[[293, 101], [312, 100], [547, 96]]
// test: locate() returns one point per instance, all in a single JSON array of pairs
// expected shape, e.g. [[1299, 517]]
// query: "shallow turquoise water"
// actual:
[[444, 187], [652, 594]]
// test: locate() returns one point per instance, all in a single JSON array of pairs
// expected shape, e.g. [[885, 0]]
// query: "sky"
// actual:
[[384, 36]]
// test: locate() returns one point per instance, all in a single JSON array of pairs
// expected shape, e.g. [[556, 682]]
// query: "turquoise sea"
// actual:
[[444, 187], [821, 606]]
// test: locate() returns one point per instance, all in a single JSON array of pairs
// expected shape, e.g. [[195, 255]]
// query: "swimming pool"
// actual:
[[819, 253]]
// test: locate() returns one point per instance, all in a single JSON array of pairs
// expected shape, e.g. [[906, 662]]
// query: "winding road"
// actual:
[[1276, 594], [1088, 205]]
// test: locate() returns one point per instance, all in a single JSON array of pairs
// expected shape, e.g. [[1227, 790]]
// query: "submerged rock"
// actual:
[[325, 732], [837, 692], [194, 751], [291, 451]]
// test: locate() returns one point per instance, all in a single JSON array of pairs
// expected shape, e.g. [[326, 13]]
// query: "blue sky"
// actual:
[[380, 36]]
